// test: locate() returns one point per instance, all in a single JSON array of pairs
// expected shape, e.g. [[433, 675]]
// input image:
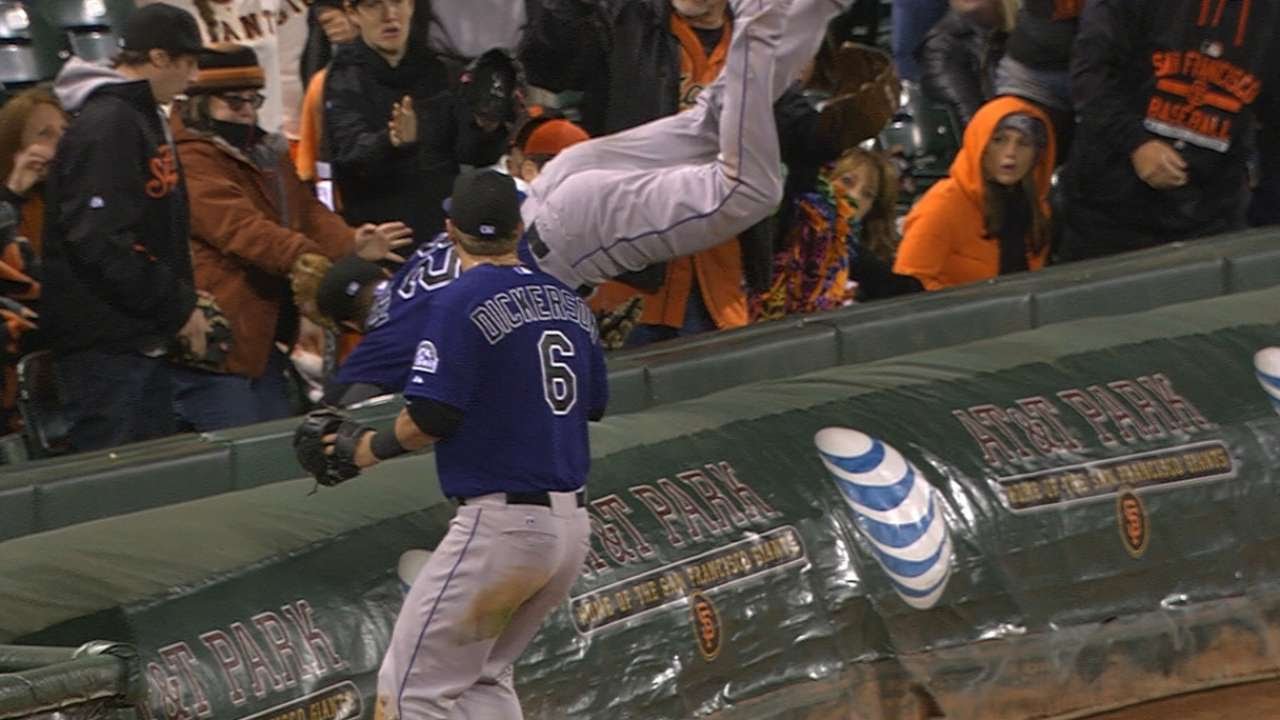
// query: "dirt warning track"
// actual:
[[1255, 700]]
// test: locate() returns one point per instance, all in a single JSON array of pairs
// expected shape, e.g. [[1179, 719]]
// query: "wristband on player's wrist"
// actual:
[[385, 445]]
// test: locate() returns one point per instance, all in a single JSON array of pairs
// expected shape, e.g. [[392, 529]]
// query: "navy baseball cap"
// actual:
[[336, 298], [484, 204]]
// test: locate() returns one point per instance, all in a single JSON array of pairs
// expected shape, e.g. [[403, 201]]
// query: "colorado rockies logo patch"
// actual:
[[426, 359]]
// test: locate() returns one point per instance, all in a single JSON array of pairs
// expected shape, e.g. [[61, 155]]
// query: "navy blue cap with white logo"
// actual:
[[484, 204]]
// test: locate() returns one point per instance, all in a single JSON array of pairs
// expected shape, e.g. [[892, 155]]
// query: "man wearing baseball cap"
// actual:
[[356, 293], [118, 285], [484, 211]]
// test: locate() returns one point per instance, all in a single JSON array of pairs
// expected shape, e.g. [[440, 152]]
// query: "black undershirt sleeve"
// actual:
[[435, 418]]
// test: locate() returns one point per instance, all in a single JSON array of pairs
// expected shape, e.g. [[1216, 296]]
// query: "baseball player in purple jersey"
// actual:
[[509, 369], [681, 184], [507, 372]]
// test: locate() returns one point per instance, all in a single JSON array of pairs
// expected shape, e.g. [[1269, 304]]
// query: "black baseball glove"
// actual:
[[309, 445]]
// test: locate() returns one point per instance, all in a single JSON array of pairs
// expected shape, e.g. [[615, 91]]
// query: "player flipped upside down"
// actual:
[[684, 183], [357, 294], [673, 187], [504, 386]]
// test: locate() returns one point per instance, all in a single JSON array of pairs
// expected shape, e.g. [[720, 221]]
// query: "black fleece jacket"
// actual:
[[1042, 37], [378, 182], [117, 259]]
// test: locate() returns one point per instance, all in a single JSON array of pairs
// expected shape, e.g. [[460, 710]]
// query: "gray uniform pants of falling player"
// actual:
[[685, 183], [670, 188]]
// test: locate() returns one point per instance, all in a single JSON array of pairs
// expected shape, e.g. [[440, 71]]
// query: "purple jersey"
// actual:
[[519, 354], [391, 331]]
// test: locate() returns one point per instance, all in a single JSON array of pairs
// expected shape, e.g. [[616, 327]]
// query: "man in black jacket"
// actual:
[[622, 56], [1169, 97], [118, 281], [387, 72], [396, 134]]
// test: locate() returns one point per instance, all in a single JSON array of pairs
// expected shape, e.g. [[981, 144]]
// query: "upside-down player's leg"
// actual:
[[807, 23], [692, 136], [599, 223], [680, 139], [603, 210]]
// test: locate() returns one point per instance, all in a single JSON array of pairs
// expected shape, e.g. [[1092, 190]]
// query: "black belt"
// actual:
[[539, 248], [540, 251], [533, 498]]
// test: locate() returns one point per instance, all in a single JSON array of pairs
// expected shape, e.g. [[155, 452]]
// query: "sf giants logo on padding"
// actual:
[[164, 173], [1135, 529], [706, 626]]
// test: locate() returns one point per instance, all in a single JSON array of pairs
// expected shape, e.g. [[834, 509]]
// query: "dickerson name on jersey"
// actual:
[[505, 311]]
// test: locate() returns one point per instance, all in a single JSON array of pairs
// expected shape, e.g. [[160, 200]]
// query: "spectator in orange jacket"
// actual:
[[252, 222], [991, 216], [329, 27], [309, 154]]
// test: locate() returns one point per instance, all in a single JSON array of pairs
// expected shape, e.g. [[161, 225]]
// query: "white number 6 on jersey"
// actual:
[[559, 383]]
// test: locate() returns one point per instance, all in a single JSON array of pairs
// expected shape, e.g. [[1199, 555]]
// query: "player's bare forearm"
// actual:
[[408, 436]]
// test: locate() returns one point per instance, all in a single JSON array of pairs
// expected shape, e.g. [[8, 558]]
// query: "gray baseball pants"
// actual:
[[685, 183], [497, 574]]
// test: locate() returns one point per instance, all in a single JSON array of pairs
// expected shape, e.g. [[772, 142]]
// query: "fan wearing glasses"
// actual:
[[253, 224], [243, 106]]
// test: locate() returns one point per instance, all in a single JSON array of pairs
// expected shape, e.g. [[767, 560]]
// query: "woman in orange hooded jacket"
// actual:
[[991, 216]]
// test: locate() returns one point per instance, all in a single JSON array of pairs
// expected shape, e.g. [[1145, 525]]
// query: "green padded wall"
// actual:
[[1053, 573]]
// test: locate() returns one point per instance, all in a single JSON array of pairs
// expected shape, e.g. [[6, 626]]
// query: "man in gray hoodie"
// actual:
[[118, 291]]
